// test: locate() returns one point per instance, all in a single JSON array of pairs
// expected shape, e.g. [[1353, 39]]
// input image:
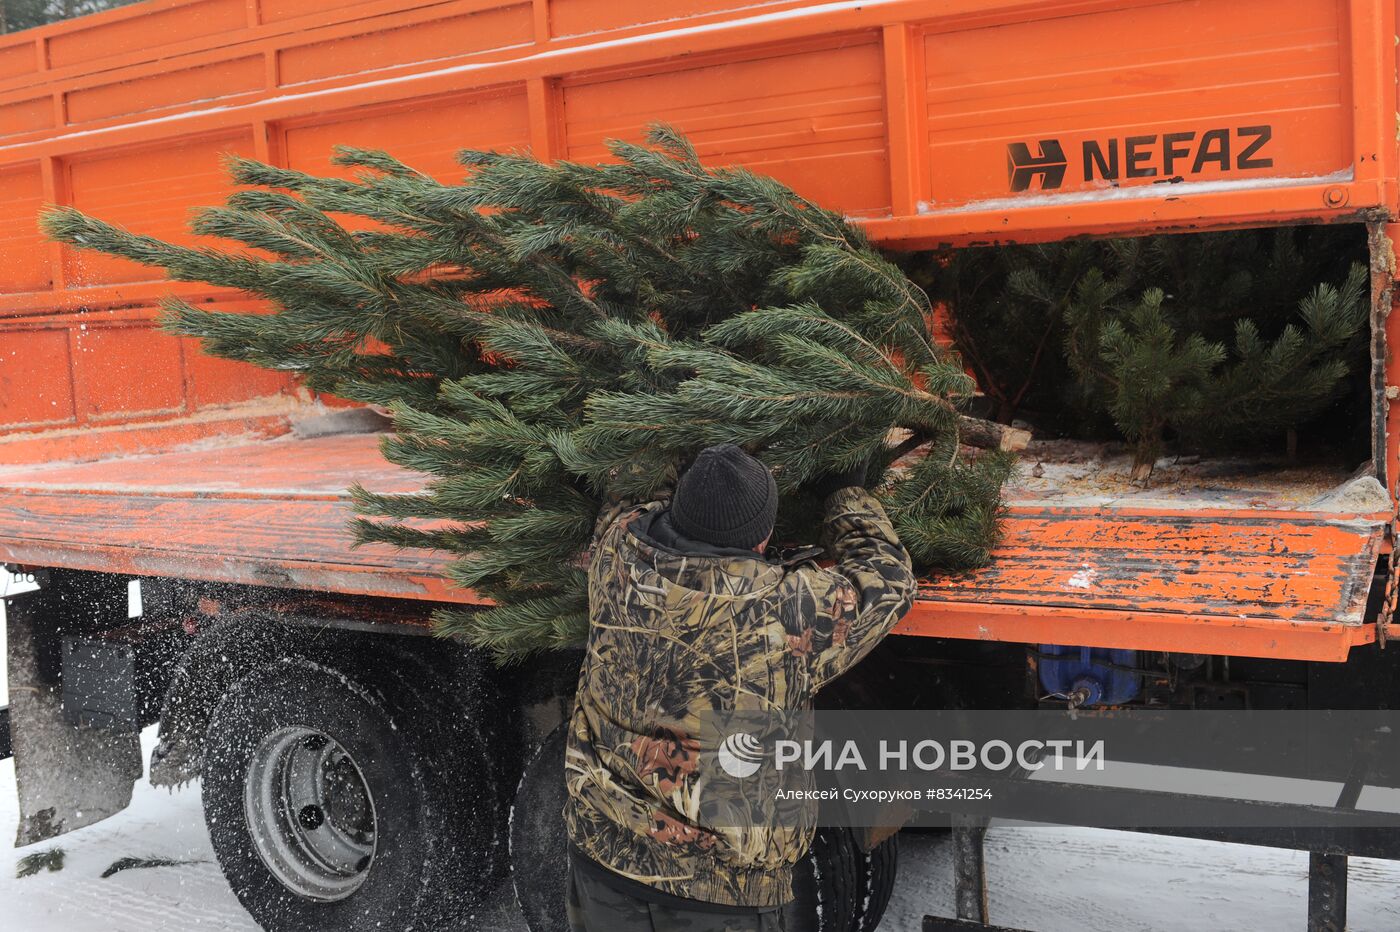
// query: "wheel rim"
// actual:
[[310, 813]]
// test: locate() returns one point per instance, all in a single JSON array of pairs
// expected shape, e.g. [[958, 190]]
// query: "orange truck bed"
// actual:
[[274, 513], [928, 121]]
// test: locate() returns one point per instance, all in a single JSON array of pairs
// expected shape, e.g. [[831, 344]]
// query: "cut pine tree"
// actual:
[[1210, 341], [548, 336]]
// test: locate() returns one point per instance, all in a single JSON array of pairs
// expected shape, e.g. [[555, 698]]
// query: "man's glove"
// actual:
[[834, 482]]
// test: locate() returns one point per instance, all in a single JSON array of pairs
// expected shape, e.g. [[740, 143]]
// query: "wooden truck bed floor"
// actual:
[[1238, 576]]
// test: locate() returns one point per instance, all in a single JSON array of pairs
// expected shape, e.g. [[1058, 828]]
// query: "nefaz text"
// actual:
[[1168, 155]]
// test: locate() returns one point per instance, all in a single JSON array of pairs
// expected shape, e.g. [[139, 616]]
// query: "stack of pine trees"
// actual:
[[547, 336], [1209, 341]]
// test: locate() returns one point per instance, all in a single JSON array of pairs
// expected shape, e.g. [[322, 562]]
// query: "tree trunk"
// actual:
[[1144, 460], [990, 435], [972, 431]]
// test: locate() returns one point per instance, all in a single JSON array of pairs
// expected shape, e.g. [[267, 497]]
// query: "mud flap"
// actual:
[[67, 776]]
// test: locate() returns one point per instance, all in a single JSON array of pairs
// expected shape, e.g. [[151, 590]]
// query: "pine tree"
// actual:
[[1150, 375], [548, 336], [1155, 375], [1269, 385], [1212, 339], [1007, 309]]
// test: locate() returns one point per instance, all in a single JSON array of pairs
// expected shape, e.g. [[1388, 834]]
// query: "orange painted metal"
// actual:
[[1264, 584], [904, 113], [1297, 568], [1229, 582], [269, 514], [928, 121], [1174, 633], [1385, 326]]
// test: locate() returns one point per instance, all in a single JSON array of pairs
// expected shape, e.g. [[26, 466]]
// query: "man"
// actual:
[[687, 617]]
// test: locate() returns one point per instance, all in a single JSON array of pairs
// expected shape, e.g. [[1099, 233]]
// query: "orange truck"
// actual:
[[130, 463]]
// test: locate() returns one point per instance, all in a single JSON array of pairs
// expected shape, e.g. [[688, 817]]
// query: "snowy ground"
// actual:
[[1041, 879], [1049, 880]]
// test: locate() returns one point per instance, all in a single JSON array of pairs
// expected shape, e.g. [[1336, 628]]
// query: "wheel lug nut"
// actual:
[[311, 817]]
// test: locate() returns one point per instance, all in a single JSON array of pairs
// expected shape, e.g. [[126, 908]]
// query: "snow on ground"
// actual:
[[1087, 880], [76, 898], [1043, 879]]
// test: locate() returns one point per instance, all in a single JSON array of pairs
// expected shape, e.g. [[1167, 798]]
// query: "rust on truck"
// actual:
[[1224, 582], [265, 514], [929, 122]]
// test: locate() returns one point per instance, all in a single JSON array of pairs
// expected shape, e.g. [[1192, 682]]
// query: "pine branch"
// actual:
[[548, 335]]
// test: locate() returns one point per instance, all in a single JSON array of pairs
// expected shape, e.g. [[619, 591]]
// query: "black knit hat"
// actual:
[[726, 498]]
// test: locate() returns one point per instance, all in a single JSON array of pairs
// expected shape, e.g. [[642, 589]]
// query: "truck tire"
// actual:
[[825, 883], [539, 853], [334, 802], [876, 870]]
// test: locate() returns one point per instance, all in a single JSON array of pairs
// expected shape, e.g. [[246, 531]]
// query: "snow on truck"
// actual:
[[290, 671]]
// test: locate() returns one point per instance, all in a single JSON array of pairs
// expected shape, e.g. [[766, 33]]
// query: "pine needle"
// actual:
[[548, 336], [130, 863], [50, 860]]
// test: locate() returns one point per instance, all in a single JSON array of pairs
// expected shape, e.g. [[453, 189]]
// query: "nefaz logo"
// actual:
[[1169, 155]]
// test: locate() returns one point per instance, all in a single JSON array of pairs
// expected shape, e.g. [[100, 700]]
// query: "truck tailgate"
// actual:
[[1272, 584]]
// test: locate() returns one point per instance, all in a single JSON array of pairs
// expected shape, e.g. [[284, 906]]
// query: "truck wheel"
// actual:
[[330, 807], [875, 873], [539, 854], [824, 885]]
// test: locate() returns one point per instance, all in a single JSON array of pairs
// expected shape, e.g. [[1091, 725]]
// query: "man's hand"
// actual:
[[834, 482]]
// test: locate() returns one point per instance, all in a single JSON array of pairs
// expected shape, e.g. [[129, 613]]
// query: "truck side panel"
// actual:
[[931, 122]]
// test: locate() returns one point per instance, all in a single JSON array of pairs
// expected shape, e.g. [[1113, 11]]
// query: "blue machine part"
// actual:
[[1085, 674]]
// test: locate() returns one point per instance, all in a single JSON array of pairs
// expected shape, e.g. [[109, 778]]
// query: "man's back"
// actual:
[[681, 628]]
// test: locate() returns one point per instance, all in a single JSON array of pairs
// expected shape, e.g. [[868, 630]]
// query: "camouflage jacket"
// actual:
[[677, 635]]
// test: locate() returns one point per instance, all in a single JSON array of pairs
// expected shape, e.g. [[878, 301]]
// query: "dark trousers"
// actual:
[[596, 907]]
